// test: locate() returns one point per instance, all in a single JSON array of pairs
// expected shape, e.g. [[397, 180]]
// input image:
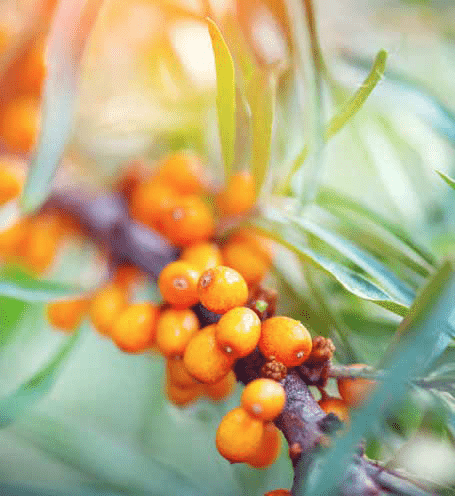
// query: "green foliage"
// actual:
[[447, 179]]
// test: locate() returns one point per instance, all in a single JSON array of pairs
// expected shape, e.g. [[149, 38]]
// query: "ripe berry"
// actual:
[[238, 331], [12, 238], [67, 315], [220, 289], [32, 71], [178, 284], [239, 435], [221, 389], [134, 329], [19, 124], [240, 194], [183, 171], [174, 331], [202, 255], [239, 255], [336, 406], [269, 448], [106, 306], [285, 339], [177, 373], [125, 276], [355, 391], [263, 399], [189, 221], [10, 182], [182, 396], [150, 200], [204, 359], [279, 492]]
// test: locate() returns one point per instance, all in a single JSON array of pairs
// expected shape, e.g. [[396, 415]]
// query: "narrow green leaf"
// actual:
[[354, 282], [363, 260], [21, 286], [261, 94], [16, 403], [447, 179], [68, 36], [348, 111], [225, 97], [421, 338]]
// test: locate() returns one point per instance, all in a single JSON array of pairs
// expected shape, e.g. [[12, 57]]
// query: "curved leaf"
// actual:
[[447, 179], [68, 36], [13, 405], [354, 282], [21, 286], [225, 95]]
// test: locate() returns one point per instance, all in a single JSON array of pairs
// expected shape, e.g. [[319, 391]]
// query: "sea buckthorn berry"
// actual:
[[10, 183], [189, 221], [202, 255], [279, 492], [239, 255], [285, 339], [106, 306], [174, 331], [19, 124], [12, 238], [183, 171], [355, 391], [263, 399], [240, 194], [204, 359], [269, 448], [150, 200], [182, 396], [336, 406], [221, 389], [32, 71], [134, 329], [221, 289], [178, 375], [67, 315], [125, 276], [238, 331], [178, 284], [239, 435]]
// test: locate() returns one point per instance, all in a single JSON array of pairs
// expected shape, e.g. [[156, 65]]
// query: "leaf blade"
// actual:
[[446, 178], [226, 95]]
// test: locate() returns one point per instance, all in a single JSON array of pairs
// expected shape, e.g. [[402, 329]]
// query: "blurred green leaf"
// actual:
[[16, 403], [225, 97], [11, 312], [354, 282], [261, 95], [447, 179], [421, 338], [17, 284]]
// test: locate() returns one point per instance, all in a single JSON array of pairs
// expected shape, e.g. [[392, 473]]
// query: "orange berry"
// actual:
[[183, 171], [355, 391], [134, 329], [19, 124], [258, 242], [202, 255], [223, 388], [106, 306], [263, 399], [285, 339], [182, 396], [269, 448], [240, 194], [10, 183], [67, 315], [12, 238], [32, 71], [336, 406], [222, 288], [150, 200], [279, 492], [125, 276], [178, 284], [174, 331], [239, 436], [203, 358], [238, 331], [178, 375], [189, 221], [239, 255]]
